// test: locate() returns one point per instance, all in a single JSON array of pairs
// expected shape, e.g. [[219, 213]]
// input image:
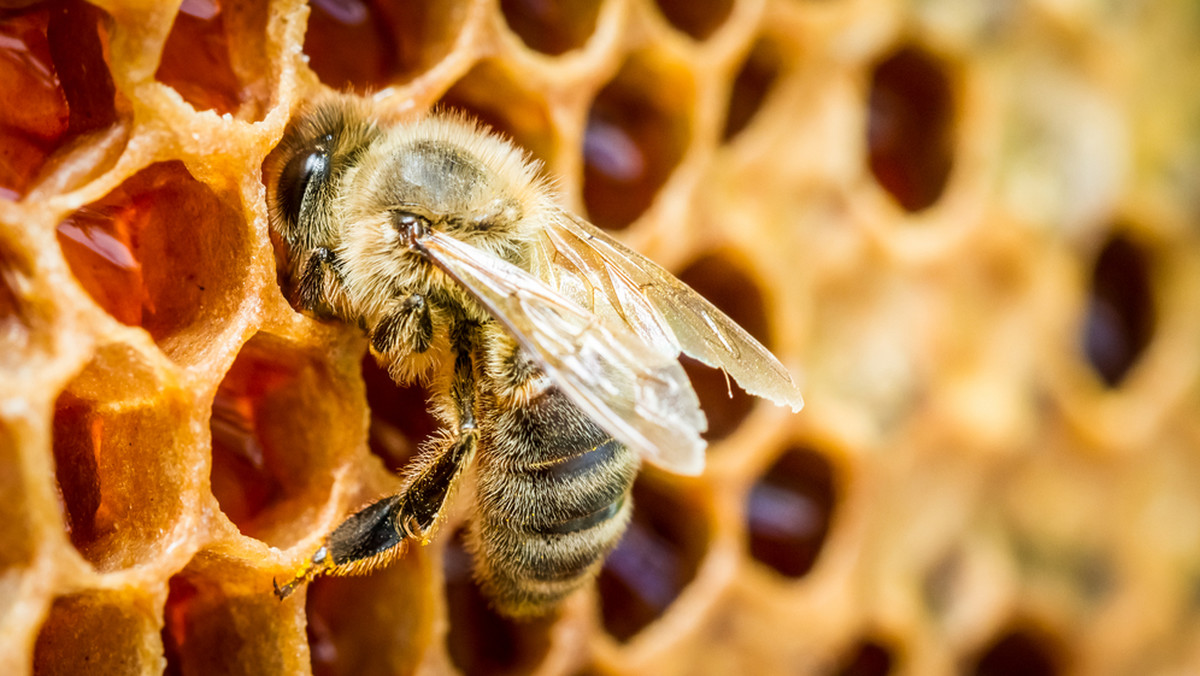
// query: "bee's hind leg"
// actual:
[[380, 532]]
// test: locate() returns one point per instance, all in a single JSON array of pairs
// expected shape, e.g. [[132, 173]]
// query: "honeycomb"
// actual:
[[973, 226]]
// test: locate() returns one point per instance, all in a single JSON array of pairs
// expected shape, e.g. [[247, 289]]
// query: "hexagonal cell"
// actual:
[[867, 658], [789, 511], [638, 130], [400, 417], [280, 422], [1120, 317], [53, 59], [552, 27], [1018, 651], [751, 86], [480, 641], [221, 619], [119, 442], [98, 633], [16, 523], [655, 561], [351, 631], [725, 285], [697, 19], [911, 126], [197, 59], [490, 94], [164, 252], [393, 41]]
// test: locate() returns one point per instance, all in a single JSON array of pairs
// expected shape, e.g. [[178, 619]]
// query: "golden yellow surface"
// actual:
[[930, 210]]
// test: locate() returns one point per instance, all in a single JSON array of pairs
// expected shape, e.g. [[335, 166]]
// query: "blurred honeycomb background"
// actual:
[[971, 225]]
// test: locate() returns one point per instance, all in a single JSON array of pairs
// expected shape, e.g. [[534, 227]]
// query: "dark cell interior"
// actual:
[[554, 26], [697, 19], [481, 641], [1120, 315], [654, 562], [751, 86], [867, 658], [400, 417], [910, 127], [637, 132], [789, 512], [393, 41], [1017, 652]]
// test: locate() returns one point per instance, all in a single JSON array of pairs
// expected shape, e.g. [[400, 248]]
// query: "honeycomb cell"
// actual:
[[97, 633], [52, 58], [377, 624], [280, 421], [221, 621], [119, 442], [655, 561], [725, 285], [195, 59], [491, 95], [697, 19], [1120, 316], [789, 511], [637, 132], [164, 252], [480, 641], [911, 126], [868, 658], [553, 27], [752, 85], [1018, 651], [393, 41], [400, 417]]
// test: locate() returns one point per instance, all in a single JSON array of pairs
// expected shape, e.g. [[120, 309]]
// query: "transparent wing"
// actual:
[[623, 287], [637, 393]]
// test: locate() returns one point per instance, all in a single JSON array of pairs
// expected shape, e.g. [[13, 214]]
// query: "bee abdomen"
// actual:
[[553, 500]]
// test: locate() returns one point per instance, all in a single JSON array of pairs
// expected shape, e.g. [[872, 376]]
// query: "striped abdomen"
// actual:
[[553, 499]]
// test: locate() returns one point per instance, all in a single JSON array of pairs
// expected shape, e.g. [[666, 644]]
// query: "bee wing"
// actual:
[[637, 393], [624, 287]]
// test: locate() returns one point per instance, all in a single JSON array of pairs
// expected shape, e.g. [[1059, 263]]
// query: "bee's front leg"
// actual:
[[406, 329], [311, 287]]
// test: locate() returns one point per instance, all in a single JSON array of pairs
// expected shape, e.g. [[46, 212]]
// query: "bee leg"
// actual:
[[310, 287], [380, 532], [408, 328]]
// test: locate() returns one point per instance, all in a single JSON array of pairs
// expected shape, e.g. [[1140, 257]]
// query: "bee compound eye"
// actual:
[[301, 171]]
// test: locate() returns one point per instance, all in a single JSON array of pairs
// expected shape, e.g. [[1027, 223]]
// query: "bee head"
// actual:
[[303, 171]]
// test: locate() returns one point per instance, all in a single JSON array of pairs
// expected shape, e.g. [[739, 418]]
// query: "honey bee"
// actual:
[[551, 351]]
